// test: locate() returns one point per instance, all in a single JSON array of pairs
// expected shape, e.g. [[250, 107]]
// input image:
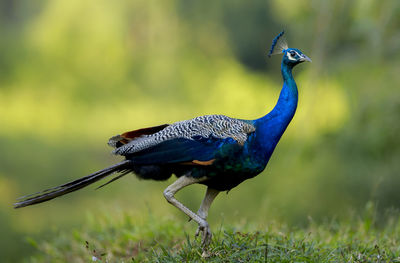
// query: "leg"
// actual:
[[205, 205], [208, 199], [169, 193]]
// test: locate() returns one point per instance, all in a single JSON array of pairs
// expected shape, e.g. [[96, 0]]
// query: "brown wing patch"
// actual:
[[126, 137], [145, 131]]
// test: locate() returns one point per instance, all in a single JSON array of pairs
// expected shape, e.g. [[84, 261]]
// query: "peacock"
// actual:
[[214, 150]]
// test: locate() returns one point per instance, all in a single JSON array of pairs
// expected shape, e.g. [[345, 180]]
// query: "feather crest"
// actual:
[[279, 44]]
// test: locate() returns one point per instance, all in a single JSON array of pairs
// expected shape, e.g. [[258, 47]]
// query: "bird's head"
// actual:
[[291, 56]]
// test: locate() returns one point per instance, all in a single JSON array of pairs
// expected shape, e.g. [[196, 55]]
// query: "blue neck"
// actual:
[[275, 122], [287, 102]]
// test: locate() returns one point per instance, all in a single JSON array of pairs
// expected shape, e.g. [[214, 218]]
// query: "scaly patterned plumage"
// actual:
[[218, 126], [215, 150]]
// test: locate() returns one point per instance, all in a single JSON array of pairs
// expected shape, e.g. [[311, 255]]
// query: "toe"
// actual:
[[206, 237]]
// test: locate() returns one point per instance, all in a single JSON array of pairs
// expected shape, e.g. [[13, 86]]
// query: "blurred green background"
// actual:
[[74, 73]]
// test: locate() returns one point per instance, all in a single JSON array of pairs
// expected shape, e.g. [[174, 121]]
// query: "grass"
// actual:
[[125, 238]]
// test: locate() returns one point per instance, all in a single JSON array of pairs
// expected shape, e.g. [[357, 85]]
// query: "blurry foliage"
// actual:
[[74, 73]]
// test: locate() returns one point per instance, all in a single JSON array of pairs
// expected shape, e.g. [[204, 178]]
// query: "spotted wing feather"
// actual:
[[216, 126]]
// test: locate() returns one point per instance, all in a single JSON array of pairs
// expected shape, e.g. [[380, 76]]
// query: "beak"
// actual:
[[305, 58]]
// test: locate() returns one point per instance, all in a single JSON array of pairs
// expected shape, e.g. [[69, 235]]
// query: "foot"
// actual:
[[206, 234]]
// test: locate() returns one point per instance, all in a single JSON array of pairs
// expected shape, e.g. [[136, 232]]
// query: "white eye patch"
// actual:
[[290, 56]]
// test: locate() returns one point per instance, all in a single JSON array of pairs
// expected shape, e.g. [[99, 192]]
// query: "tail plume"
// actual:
[[48, 194]]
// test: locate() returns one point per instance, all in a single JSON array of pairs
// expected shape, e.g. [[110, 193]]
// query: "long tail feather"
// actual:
[[54, 192], [115, 178]]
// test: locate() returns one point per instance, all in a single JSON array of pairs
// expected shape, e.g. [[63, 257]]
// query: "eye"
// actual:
[[292, 53]]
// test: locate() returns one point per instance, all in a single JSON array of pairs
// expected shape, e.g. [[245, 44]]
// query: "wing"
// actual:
[[119, 140], [195, 141], [196, 151]]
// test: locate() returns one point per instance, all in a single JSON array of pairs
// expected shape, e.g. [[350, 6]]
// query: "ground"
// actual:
[[126, 238]]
